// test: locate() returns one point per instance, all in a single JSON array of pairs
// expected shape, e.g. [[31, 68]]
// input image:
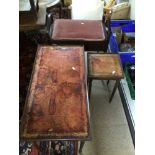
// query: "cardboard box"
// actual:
[[121, 11]]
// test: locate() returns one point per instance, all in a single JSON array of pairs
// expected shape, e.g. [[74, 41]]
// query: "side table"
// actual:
[[104, 67]]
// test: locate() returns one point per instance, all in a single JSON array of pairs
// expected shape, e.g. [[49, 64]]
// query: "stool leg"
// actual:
[[60, 9], [114, 90], [89, 87], [81, 146]]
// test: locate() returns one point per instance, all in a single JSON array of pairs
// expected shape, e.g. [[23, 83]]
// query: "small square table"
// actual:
[[104, 67]]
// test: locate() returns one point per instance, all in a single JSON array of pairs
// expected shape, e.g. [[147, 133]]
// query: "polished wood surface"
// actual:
[[56, 105], [105, 66]]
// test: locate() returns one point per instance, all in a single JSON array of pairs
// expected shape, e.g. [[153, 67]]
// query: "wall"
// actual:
[[87, 9], [93, 9], [132, 11]]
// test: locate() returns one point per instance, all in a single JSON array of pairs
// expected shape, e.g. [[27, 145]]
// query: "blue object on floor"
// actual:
[[127, 26]]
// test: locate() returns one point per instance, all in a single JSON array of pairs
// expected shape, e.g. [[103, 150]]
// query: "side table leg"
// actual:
[[89, 87], [81, 146], [108, 82], [114, 90]]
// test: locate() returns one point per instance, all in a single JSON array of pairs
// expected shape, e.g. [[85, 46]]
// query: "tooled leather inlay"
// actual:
[[57, 100]]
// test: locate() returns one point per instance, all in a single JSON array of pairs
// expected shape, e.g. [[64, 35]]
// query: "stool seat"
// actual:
[[104, 67], [90, 33], [86, 30]]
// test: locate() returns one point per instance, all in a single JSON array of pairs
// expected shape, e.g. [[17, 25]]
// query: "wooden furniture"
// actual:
[[25, 24], [36, 15], [54, 4], [106, 19], [104, 67], [28, 9], [90, 33], [57, 104], [31, 15]]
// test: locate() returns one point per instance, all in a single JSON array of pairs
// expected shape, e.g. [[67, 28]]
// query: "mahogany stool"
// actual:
[[89, 33]]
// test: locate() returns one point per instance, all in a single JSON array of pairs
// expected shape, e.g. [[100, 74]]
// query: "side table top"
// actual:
[[105, 66]]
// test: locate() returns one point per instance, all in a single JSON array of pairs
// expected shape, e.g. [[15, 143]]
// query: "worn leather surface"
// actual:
[[105, 66], [86, 30], [56, 104]]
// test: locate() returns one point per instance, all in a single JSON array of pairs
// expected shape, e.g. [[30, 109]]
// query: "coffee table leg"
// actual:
[[81, 146], [114, 90]]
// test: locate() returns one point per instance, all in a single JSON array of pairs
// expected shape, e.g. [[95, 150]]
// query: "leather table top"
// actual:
[[57, 102], [105, 66]]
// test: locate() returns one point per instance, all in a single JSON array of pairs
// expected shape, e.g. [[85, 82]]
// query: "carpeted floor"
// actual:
[[110, 131], [48, 148]]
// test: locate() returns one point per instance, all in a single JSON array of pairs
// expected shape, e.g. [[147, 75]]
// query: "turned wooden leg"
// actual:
[[114, 90], [60, 10], [81, 146]]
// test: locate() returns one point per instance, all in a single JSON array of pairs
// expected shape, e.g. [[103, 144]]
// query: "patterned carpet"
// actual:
[[48, 148]]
